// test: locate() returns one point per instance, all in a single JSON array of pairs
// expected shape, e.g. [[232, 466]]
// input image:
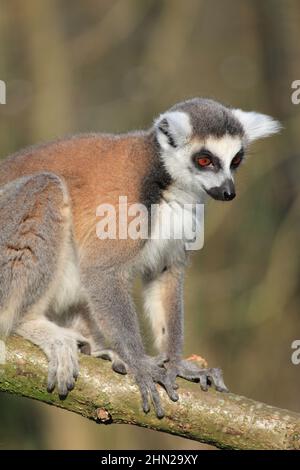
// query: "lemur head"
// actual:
[[202, 144]]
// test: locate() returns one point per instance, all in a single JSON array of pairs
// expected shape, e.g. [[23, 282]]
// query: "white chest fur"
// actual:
[[175, 223]]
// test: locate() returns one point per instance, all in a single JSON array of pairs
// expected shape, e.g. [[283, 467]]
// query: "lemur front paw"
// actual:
[[147, 374], [63, 368], [205, 376]]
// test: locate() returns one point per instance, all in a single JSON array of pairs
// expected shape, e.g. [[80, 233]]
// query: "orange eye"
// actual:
[[204, 161], [236, 160]]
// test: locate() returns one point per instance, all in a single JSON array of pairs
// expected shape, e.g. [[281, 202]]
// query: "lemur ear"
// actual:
[[257, 125], [173, 129]]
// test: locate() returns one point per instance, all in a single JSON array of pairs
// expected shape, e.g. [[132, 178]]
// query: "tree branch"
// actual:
[[224, 420]]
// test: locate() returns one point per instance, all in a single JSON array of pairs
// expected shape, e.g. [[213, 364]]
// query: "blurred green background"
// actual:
[[112, 65]]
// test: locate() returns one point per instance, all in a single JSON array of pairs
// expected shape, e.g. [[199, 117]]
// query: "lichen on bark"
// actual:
[[227, 421]]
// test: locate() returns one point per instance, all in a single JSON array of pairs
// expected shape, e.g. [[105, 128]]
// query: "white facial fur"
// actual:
[[178, 160], [225, 148]]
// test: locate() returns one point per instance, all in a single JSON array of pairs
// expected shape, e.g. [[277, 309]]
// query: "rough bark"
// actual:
[[224, 420]]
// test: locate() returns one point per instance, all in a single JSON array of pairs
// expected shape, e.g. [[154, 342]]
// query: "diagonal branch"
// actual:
[[224, 420]]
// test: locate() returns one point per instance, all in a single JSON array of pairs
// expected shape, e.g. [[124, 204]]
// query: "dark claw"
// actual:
[[145, 400], [174, 396], [217, 378], [63, 396], [169, 389], [50, 388], [156, 401], [51, 381], [146, 407], [203, 382], [70, 386], [160, 413], [119, 367]]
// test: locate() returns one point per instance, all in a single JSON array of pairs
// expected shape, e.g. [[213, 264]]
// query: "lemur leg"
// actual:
[[164, 306], [80, 319], [35, 231], [109, 294]]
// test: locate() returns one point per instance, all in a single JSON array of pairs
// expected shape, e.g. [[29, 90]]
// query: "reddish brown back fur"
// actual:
[[97, 169]]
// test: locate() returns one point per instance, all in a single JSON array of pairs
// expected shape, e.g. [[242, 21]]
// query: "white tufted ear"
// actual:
[[256, 125], [173, 129]]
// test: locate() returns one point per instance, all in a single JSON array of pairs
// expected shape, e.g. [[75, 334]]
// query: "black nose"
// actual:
[[228, 196], [225, 192]]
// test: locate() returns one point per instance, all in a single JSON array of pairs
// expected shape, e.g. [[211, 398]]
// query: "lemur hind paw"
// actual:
[[63, 368], [205, 376], [147, 374]]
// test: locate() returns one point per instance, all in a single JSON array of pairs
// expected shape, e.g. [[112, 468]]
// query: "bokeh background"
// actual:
[[112, 65]]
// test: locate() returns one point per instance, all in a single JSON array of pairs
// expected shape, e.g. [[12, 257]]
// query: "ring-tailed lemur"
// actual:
[[62, 287]]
